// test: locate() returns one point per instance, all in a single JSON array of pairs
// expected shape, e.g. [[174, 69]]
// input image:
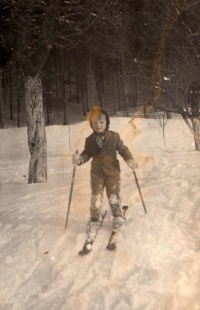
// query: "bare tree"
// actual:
[[174, 10], [30, 29], [161, 119], [182, 68]]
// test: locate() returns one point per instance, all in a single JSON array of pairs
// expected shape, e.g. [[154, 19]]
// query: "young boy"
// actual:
[[102, 146]]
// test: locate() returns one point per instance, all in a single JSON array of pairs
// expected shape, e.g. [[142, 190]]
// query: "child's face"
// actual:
[[99, 123]]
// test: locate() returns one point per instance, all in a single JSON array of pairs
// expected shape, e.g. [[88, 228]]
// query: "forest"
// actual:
[[59, 58]]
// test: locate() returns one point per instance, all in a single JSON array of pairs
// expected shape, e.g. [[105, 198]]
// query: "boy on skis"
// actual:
[[102, 146]]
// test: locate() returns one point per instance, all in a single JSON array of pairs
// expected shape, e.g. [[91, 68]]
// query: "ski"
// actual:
[[112, 244], [90, 239]]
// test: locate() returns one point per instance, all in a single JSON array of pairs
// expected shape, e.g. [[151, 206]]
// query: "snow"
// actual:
[[157, 263]]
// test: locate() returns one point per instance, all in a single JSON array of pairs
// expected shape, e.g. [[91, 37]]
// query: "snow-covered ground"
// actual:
[[157, 263]]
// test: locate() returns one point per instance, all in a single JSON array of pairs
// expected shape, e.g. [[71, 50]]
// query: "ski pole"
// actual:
[[138, 186], [70, 195]]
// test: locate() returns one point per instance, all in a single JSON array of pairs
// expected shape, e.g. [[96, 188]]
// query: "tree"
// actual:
[[182, 68], [174, 10], [30, 29]]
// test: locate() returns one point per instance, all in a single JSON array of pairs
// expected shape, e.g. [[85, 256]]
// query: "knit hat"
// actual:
[[96, 110]]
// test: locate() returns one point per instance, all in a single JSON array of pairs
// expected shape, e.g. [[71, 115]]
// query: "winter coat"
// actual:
[[105, 158]]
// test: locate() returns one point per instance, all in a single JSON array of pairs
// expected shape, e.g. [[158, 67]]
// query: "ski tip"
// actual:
[[125, 208], [84, 252], [86, 249], [111, 247]]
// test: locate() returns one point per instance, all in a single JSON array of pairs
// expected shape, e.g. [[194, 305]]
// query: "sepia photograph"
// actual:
[[99, 154]]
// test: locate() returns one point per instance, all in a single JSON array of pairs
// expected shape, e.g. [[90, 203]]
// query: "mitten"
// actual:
[[132, 164], [77, 159]]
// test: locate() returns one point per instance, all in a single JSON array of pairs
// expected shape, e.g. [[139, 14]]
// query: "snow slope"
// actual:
[[156, 265]]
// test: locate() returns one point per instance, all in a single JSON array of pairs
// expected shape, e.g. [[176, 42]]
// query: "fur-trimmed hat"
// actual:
[[96, 110]]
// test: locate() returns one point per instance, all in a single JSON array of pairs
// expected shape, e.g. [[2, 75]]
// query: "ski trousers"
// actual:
[[112, 186]]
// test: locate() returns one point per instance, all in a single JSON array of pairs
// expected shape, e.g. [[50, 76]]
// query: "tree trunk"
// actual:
[[3, 81], [36, 130], [65, 122], [18, 96], [108, 71], [91, 82], [196, 128], [86, 91], [18, 107], [118, 87], [1, 116], [11, 99], [124, 87], [100, 93], [57, 74], [82, 94], [136, 90], [77, 85], [102, 80], [1, 103], [48, 106], [113, 91], [69, 79]]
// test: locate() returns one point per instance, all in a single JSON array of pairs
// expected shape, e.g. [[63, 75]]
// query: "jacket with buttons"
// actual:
[[105, 158]]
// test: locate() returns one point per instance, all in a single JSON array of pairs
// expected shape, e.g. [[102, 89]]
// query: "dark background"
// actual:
[[98, 53]]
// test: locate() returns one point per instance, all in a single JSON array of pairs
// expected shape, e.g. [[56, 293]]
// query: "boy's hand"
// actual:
[[132, 164], [76, 159]]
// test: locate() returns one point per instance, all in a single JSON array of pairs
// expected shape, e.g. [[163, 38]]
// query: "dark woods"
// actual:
[[91, 52], [72, 82]]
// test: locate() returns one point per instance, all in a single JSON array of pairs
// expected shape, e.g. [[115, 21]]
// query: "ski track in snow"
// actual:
[[156, 264]]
